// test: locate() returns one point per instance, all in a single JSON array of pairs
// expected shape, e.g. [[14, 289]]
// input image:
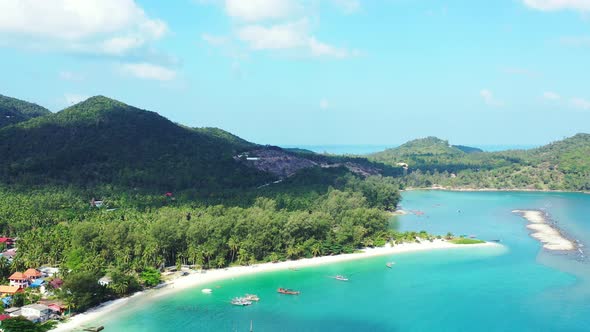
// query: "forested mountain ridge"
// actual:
[[104, 141], [562, 165], [13, 111]]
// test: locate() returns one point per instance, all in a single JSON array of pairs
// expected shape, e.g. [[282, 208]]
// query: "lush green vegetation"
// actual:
[[21, 324], [14, 111], [463, 240], [102, 141], [143, 233], [563, 165]]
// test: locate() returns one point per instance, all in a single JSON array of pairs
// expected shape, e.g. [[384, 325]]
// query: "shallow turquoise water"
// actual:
[[519, 287]]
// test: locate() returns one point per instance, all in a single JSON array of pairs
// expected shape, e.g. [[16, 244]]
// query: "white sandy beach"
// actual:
[[545, 232], [196, 279]]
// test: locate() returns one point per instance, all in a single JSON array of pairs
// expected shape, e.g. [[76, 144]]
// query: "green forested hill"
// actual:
[[13, 111], [434, 154], [103, 141], [563, 165]]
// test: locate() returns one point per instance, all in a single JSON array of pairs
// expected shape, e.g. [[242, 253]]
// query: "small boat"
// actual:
[[252, 297], [240, 302], [94, 329], [341, 278], [206, 290], [288, 291], [389, 264]]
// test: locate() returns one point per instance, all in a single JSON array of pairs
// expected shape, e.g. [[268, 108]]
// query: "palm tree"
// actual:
[[291, 252], [233, 246], [220, 262], [120, 287], [316, 249], [242, 256], [208, 252]]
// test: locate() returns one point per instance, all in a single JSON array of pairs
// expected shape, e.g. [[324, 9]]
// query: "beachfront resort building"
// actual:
[[36, 312]]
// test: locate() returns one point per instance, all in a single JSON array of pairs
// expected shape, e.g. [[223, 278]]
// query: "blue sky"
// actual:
[[314, 71]]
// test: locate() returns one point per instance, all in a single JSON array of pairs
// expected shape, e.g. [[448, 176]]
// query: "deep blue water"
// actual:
[[518, 287]]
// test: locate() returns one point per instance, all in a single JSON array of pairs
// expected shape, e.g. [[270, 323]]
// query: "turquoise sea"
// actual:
[[518, 287]]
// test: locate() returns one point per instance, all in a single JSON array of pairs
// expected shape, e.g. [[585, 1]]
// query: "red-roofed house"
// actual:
[[56, 308], [56, 283], [19, 279], [3, 317], [33, 274], [7, 241], [9, 290]]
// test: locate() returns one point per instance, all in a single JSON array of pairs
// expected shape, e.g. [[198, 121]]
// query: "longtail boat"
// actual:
[[288, 291]]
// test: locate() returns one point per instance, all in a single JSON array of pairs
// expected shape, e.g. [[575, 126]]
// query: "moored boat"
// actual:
[[252, 297], [341, 278], [206, 290], [288, 291], [389, 264], [241, 302]]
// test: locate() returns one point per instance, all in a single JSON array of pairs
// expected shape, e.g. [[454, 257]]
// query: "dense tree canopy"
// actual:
[[563, 165]]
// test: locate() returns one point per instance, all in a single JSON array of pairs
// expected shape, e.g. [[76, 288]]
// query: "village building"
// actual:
[[12, 312], [9, 290], [57, 307], [7, 241], [49, 271], [33, 274], [36, 312], [96, 203], [56, 283], [19, 279], [9, 254], [105, 281]]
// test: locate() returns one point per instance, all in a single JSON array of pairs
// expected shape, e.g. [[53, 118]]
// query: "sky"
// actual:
[[312, 72]]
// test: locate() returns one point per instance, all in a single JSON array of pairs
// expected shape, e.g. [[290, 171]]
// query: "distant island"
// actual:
[[433, 162]]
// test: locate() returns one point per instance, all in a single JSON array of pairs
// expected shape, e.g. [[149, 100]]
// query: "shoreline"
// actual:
[[196, 279], [459, 189], [546, 232]]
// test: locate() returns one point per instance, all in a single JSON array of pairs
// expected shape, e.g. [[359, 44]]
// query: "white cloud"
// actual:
[[100, 26], [148, 71], [553, 5], [278, 25], [551, 96], [321, 49], [281, 36], [70, 76], [293, 35], [488, 98], [324, 104], [348, 6], [72, 98], [580, 103], [257, 10]]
